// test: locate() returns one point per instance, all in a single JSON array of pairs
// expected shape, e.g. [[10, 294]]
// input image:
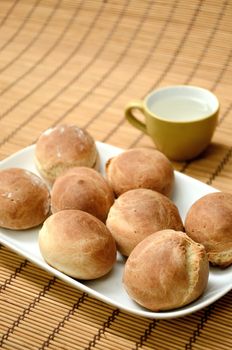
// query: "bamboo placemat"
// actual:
[[81, 61]]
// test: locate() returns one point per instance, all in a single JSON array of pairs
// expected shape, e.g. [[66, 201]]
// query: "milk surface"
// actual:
[[181, 108]]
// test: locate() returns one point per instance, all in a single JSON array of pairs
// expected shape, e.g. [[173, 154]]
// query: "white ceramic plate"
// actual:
[[109, 288]]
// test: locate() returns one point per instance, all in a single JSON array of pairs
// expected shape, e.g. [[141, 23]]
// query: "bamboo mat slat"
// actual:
[[82, 61]]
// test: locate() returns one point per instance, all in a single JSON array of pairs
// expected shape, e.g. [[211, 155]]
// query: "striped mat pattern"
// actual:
[[82, 61]]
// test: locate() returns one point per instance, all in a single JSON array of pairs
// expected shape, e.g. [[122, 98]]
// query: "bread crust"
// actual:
[[140, 168], [138, 213], [166, 270], [84, 189], [64, 147], [24, 199], [77, 244], [209, 222]]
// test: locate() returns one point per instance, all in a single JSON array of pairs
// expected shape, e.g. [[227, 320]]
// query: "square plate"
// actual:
[[109, 288]]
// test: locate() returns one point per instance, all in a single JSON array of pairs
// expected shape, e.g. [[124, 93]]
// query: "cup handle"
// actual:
[[131, 118]]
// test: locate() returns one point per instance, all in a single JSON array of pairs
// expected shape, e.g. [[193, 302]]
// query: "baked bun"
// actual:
[[166, 270], [24, 199], [139, 213], [140, 168], [209, 222], [77, 244], [84, 189], [64, 147]]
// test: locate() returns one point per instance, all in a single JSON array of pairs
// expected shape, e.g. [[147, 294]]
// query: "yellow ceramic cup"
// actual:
[[180, 119]]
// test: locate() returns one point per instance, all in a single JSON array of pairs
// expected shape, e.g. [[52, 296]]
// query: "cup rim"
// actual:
[[175, 121]]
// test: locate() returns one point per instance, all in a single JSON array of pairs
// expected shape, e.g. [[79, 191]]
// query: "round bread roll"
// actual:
[[140, 168], [78, 244], [64, 147], [24, 199], [166, 270], [84, 189], [139, 213], [209, 222]]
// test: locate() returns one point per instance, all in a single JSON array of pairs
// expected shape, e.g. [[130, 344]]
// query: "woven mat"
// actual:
[[82, 61]]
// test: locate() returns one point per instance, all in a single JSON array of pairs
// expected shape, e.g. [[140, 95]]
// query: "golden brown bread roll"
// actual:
[[84, 189], [140, 168], [64, 147], [138, 213], [24, 199], [209, 222], [77, 244], [166, 270]]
